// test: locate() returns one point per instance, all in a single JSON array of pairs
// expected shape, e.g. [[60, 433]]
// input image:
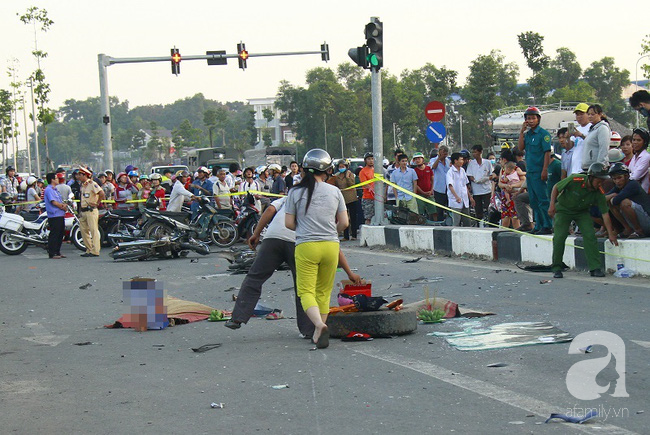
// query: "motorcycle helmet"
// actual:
[[144, 177], [31, 180], [275, 167], [317, 160], [23, 185], [155, 176], [133, 174], [182, 173], [532, 110], [260, 169], [152, 202], [598, 170], [366, 155], [5, 197], [618, 168], [615, 140]]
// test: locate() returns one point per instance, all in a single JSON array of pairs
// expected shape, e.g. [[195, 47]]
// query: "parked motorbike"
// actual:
[[123, 226], [17, 233], [175, 245], [208, 226], [247, 218]]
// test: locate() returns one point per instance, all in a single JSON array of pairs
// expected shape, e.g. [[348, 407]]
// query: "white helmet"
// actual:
[[31, 180], [23, 185], [275, 167], [260, 169]]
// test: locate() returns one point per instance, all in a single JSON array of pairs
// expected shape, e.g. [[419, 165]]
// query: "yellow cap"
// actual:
[[582, 107]]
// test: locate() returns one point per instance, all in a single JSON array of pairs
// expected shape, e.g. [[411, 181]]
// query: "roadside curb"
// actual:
[[502, 245]]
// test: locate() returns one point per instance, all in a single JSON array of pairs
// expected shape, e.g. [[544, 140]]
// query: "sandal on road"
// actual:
[[635, 235], [275, 315]]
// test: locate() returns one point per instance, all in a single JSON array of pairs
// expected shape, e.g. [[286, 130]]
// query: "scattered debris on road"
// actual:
[[206, 347], [85, 286]]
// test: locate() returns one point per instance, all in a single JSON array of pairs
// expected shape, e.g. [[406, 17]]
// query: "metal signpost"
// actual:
[[213, 58]]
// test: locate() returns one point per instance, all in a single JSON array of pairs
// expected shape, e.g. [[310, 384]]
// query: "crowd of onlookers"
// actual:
[[512, 190]]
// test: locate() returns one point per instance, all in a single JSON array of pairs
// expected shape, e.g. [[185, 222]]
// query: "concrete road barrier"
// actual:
[[502, 245]]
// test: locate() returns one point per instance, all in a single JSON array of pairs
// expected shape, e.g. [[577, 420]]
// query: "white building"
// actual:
[[280, 131]]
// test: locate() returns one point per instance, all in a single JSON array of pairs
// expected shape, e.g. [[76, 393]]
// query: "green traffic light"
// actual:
[[372, 59]]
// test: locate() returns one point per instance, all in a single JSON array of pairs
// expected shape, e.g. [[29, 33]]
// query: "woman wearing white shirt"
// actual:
[[641, 158]]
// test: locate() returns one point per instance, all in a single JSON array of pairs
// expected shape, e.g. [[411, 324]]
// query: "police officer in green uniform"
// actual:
[[571, 199], [537, 144]]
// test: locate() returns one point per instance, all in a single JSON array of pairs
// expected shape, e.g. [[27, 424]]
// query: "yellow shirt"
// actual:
[[90, 194]]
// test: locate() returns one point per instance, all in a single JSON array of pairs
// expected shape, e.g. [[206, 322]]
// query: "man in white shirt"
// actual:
[[578, 138], [179, 192], [458, 193], [478, 172], [221, 192]]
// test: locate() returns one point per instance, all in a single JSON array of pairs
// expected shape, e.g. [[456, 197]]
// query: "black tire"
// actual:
[[11, 246], [130, 254], [157, 230], [77, 239], [250, 229], [116, 228], [224, 234]]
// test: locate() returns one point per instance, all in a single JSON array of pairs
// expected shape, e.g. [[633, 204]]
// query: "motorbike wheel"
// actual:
[[118, 228], [224, 234], [155, 231], [77, 238], [131, 254], [250, 229], [11, 246]]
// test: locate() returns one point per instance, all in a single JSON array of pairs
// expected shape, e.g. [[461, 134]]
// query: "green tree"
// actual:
[[186, 136], [531, 44], [645, 50], [39, 18], [576, 92], [609, 80], [564, 70], [268, 115], [215, 119]]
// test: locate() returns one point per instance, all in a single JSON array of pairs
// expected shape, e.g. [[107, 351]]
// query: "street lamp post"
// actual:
[[636, 82]]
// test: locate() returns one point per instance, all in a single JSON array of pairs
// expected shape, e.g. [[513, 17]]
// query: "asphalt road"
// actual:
[[152, 382]]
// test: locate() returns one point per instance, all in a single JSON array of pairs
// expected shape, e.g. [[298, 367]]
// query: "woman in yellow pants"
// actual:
[[316, 211]]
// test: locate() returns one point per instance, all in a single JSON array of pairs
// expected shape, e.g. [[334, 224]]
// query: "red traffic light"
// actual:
[[176, 58]]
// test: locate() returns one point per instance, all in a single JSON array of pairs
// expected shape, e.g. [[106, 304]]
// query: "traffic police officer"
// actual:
[[537, 144], [571, 199], [91, 197]]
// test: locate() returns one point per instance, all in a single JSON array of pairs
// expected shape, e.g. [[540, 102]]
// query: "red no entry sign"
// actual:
[[434, 111]]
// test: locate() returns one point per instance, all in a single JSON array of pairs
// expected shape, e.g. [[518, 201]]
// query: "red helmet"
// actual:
[[532, 110]]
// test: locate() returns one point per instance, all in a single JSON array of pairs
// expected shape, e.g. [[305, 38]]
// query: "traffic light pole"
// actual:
[[105, 61], [377, 143]]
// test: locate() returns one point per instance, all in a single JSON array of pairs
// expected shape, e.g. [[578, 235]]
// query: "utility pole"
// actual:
[[4, 145], [342, 153], [38, 158], [325, 127], [377, 142], [29, 153]]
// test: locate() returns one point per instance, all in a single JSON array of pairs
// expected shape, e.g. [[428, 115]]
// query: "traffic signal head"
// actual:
[[360, 56], [243, 55], [375, 42], [176, 61], [325, 52]]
